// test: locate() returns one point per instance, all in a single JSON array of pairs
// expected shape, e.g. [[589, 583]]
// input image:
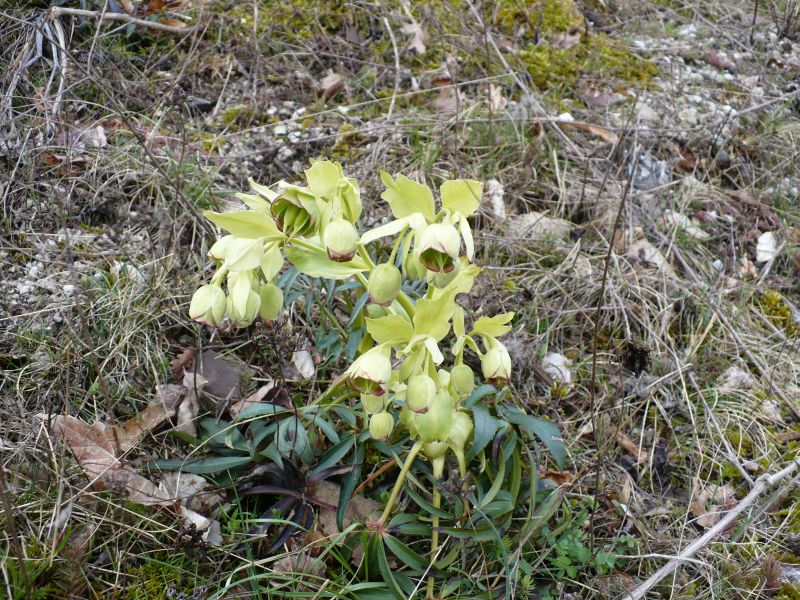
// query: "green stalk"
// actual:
[[438, 470], [412, 454]]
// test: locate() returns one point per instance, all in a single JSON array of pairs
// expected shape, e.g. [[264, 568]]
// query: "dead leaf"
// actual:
[[193, 491], [162, 407], [304, 363], [723, 498], [418, 37], [94, 450], [127, 6], [632, 448], [359, 509], [176, 23], [497, 102], [193, 383], [493, 194], [558, 477], [601, 132], [645, 252], [767, 247], [713, 58], [564, 41], [182, 362], [256, 397], [224, 376], [735, 378], [448, 99], [330, 85]]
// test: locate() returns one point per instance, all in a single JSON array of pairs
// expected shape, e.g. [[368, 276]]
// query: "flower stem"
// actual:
[[437, 503], [412, 454]]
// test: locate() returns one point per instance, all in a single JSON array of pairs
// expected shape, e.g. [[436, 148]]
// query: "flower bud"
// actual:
[[295, 211], [496, 364], [419, 393], [381, 425], [434, 425], [462, 380], [439, 245], [371, 403], [340, 239], [245, 315], [208, 305], [271, 301], [370, 372], [384, 284], [413, 268]]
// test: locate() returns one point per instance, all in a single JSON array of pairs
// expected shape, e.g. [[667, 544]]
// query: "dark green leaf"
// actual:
[[427, 506], [485, 428], [349, 484], [206, 465], [405, 554], [547, 432], [336, 453]]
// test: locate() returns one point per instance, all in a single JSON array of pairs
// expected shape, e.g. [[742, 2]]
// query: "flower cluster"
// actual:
[[401, 374]]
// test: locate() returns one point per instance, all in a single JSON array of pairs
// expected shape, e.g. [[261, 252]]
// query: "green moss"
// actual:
[[787, 592], [157, 580], [779, 313]]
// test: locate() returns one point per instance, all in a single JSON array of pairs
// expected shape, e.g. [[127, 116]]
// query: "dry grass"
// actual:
[[648, 345]]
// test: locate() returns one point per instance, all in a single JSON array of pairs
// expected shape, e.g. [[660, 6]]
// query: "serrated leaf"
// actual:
[[389, 329], [493, 326], [461, 195], [246, 223], [406, 197]]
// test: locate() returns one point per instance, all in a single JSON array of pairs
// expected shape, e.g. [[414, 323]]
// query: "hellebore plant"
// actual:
[[401, 374]]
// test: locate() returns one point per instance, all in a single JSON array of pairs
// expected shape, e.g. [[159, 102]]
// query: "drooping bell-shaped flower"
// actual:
[[462, 380], [460, 432], [208, 305], [384, 284], [413, 267], [243, 314], [381, 425], [420, 392], [438, 247], [496, 364], [370, 372], [295, 211], [340, 239], [434, 424], [271, 301]]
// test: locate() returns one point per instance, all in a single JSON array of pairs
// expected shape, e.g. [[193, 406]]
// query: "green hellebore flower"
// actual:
[[370, 372], [340, 239], [496, 364], [462, 380], [271, 301], [381, 425], [384, 284], [208, 305], [460, 431], [295, 211], [438, 248], [420, 392], [372, 404], [244, 317], [434, 425]]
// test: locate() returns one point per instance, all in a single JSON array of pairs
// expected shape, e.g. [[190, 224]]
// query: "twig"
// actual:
[[396, 67], [763, 483], [57, 11]]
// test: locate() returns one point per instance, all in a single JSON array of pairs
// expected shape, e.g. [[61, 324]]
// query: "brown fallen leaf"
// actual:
[[176, 23], [224, 376], [253, 399], [632, 448], [182, 362], [497, 102], [601, 132], [558, 477], [601, 98], [448, 99], [723, 498], [330, 85], [359, 509], [418, 37]]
